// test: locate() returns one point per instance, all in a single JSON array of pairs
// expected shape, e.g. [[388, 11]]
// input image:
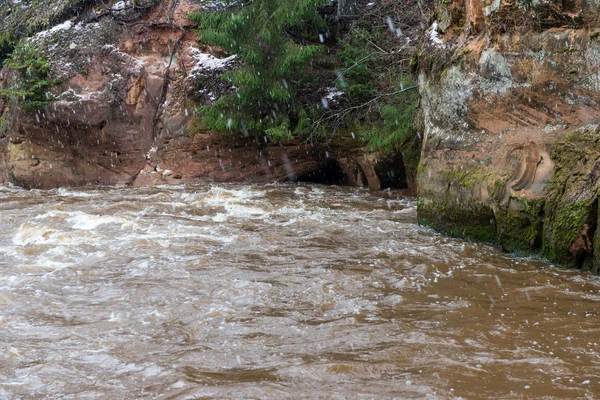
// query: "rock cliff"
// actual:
[[130, 76], [510, 97]]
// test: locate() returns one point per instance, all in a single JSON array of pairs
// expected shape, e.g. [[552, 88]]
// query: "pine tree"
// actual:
[[31, 85], [276, 42]]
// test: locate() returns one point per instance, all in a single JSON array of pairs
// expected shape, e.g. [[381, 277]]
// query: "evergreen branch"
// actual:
[[359, 62], [339, 116]]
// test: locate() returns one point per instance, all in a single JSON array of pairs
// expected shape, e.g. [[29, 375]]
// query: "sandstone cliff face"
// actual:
[[510, 96], [131, 78]]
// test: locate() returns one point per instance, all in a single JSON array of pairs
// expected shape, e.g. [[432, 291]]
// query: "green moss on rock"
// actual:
[[466, 177], [572, 199], [521, 224], [559, 224], [468, 220]]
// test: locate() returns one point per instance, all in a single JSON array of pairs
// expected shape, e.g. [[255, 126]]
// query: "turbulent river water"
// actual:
[[276, 291]]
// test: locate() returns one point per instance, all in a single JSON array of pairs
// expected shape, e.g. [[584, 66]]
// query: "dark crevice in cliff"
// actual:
[[165, 88], [330, 173], [392, 172], [584, 256], [538, 236], [362, 177]]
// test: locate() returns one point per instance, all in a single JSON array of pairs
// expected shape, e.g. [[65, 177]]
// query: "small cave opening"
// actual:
[[330, 173], [570, 6], [391, 172]]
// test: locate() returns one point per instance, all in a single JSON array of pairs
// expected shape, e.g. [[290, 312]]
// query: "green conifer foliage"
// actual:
[[387, 120], [358, 65], [397, 125], [275, 42], [32, 84]]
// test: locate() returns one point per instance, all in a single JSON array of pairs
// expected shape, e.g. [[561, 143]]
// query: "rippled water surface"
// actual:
[[276, 291]]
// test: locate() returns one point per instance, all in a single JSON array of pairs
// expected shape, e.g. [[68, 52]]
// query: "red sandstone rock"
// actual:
[[122, 118]]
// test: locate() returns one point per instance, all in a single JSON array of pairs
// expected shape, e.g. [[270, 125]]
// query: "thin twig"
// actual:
[[339, 116]]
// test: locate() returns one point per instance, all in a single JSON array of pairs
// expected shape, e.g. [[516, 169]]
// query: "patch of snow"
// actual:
[[119, 6], [331, 96], [208, 62], [332, 93], [69, 93], [217, 5], [151, 152], [434, 37], [61, 27]]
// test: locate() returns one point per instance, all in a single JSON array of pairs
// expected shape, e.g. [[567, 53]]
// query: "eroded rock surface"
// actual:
[[510, 99], [131, 78]]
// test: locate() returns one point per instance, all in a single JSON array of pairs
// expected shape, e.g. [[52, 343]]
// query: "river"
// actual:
[[276, 291]]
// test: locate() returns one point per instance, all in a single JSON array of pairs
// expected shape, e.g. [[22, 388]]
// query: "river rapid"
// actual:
[[276, 291]]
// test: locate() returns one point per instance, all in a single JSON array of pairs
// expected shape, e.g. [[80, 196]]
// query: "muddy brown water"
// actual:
[[276, 291]]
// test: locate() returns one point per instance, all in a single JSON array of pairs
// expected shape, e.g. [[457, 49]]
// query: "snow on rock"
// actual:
[[332, 93], [65, 26], [217, 5], [208, 62], [331, 96], [434, 37], [121, 8], [135, 65], [205, 70], [120, 5]]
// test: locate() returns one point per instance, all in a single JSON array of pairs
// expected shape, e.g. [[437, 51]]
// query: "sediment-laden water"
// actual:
[[245, 291]]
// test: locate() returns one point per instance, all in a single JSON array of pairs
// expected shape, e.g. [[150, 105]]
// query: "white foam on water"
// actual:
[[244, 211], [88, 222], [220, 217], [179, 384], [152, 370], [29, 234], [102, 361], [53, 214], [66, 192], [217, 193]]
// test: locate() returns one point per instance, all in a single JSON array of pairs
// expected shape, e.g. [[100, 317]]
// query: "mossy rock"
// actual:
[[520, 225], [470, 220], [560, 224], [572, 199]]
